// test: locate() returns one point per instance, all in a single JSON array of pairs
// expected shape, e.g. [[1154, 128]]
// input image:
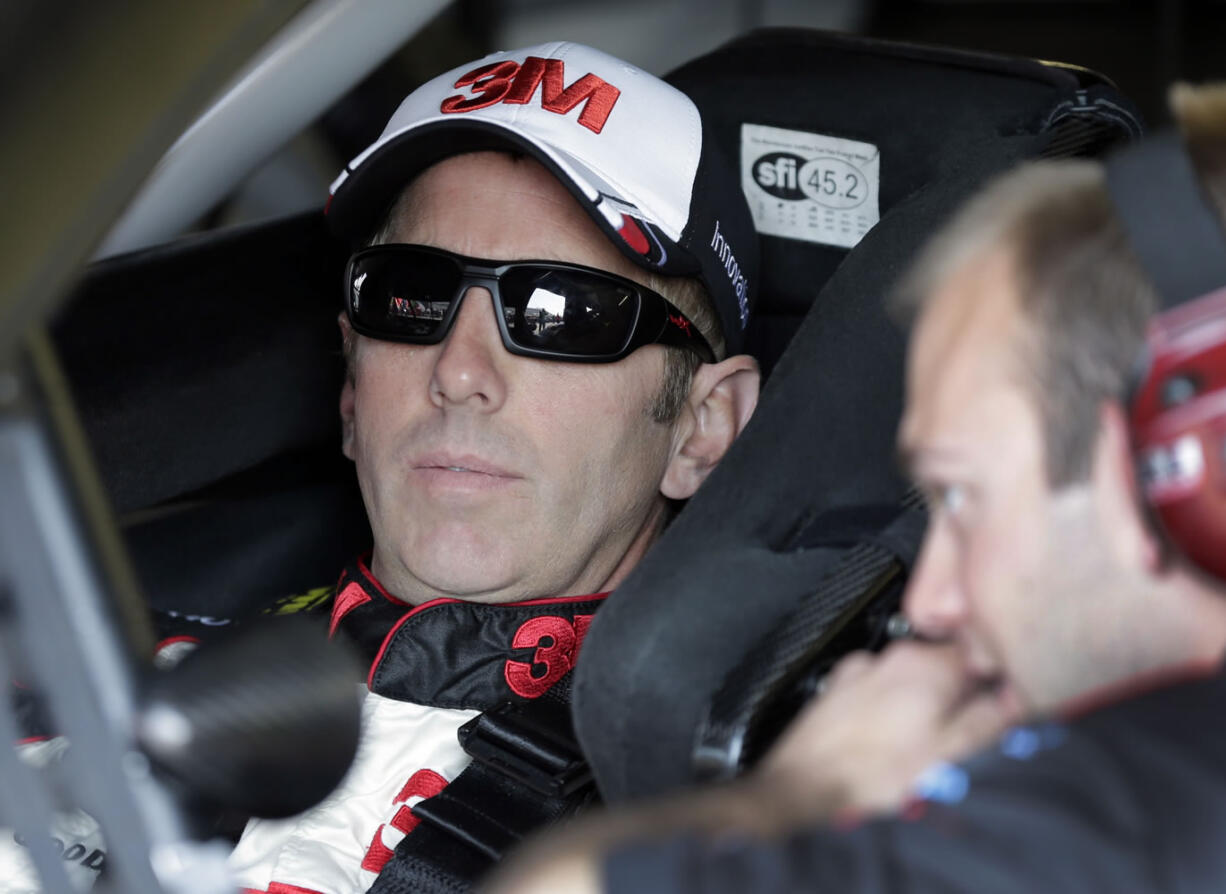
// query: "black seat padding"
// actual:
[[823, 435], [207, 372]]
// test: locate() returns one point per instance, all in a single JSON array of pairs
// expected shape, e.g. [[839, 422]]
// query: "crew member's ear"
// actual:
[[722, 398], [1120, 502], [347, 394]]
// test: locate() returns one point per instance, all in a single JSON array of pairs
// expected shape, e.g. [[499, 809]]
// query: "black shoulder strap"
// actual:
[[1169, 222], [527, 772]]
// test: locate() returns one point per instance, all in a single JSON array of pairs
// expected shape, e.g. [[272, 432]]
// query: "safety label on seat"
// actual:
[[810, 186]]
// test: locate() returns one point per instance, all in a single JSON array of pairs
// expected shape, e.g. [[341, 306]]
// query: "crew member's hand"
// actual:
[[881, 721], [560, 869]]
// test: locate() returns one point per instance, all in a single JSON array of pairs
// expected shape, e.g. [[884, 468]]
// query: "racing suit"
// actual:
[[1131, 797], [74, 833], [432, 668]]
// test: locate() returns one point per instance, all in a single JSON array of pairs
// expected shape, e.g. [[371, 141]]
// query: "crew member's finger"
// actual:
[[934, 670], [977, 723], [850, 666]]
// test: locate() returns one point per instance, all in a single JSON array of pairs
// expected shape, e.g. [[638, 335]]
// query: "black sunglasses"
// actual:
[[546, 309]]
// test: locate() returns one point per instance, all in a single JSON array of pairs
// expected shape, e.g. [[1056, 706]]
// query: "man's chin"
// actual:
[[467, 591], [421, 569], [471, 584], [476, 562], [486, 582]]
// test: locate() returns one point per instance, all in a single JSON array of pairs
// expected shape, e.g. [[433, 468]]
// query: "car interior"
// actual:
[[206, 372]]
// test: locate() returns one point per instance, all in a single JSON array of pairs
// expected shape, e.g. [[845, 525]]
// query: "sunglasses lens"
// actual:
[[400, 296], [567, 311]]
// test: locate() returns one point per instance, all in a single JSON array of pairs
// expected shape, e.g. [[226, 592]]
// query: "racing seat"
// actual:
[[795, 549]]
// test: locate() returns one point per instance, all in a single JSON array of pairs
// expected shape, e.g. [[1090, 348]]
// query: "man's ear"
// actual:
[[348, 398], [722, 398], [1118, 494]]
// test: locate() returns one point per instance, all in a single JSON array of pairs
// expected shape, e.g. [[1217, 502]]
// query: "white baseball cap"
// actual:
[[629, 147]]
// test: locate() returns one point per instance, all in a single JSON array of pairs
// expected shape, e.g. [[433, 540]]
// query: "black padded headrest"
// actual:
[[823, 434], [932, 112]]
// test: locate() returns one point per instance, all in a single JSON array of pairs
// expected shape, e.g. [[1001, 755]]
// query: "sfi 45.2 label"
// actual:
[[810, 186]]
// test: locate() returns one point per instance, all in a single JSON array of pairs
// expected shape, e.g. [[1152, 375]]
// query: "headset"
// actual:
[[1177, 409]]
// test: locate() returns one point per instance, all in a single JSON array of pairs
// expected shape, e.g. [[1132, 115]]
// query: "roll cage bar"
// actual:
[[100, 98]]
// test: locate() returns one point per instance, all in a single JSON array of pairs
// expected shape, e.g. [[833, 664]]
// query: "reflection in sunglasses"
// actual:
[[546, 303], [544, 311], [415, 309]]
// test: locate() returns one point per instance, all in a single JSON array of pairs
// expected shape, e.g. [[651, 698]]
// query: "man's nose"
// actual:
[[471, 364], [934, 601]]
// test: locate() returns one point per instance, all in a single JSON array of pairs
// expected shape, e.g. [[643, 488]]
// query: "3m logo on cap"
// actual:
[[508, 81]]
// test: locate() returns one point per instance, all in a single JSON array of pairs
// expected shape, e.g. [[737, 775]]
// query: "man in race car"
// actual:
[[1049, 588], [543, 333]]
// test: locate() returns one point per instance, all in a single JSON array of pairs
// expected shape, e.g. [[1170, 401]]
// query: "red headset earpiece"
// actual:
[[1177, 410], [1178, 422]]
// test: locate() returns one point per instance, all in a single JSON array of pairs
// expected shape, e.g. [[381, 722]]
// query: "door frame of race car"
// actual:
[[97, 99]]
